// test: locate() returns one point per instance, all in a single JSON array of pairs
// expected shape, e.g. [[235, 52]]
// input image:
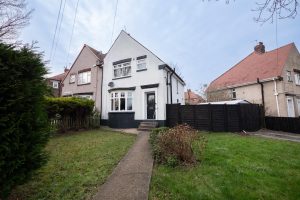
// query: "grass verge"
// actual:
[[78, 164], [234, 167]]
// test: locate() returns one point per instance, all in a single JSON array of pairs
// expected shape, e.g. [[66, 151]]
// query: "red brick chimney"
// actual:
[[66, 69], [260, 48]]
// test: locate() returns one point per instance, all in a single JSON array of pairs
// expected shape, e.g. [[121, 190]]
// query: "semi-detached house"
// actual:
[[129, 83]]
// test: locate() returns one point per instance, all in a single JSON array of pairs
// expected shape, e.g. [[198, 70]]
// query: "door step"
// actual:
[[147, 125]]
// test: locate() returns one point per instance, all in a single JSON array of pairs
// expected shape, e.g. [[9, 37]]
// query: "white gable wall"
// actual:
[[126, 47]]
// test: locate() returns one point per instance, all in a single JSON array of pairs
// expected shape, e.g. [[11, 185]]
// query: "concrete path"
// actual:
[[278, 135], [131, 178]]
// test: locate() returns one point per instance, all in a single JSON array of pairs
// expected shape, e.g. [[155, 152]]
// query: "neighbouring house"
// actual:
[[84, 79], [269, 78], [191, 98], [137, 85], [55, 83]]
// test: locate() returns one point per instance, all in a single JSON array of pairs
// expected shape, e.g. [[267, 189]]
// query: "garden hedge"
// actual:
[[24, 128]]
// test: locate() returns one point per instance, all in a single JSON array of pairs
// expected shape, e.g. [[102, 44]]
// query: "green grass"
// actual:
[[78, 163], [234, 167]]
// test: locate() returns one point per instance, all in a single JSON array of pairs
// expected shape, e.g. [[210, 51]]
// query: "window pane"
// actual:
[[122, 94], [116, 104], [129, 94], [112, 104], [122, 104], [129, 103]]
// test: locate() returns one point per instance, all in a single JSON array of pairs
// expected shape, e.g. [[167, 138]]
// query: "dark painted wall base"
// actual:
[[125, 120]]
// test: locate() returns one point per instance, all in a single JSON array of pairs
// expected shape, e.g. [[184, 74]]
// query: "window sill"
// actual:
[[83, 84], [125, 111], [121, 77], [140, 70]]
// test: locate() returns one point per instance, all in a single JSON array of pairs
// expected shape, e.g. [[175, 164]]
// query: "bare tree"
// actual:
[[13, 16], [270, 9], [219, 95], [202, 91]]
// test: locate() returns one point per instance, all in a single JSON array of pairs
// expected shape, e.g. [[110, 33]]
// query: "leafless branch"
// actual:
[[268, 10], [13, 16]]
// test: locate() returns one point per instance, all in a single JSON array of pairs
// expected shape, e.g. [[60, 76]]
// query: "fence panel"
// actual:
[[287, 124], [216, 117]]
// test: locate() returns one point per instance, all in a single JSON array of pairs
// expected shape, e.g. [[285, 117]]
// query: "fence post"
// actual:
[[240, 117], [210, 117], [225, 118]]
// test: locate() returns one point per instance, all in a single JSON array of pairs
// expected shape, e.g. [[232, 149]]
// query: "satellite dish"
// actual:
[[111, 84]]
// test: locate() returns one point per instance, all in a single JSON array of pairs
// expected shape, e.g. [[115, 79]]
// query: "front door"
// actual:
[[150, 105]]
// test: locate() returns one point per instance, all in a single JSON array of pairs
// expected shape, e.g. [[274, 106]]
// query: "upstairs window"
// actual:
[[121, 101], [141, 62], [289, 76], [84, 77], [55, 84], [233, 93], [297, 78], [122, 70], [72, 78]]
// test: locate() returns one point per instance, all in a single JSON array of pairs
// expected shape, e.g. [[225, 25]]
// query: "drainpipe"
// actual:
[[167, 83], [172, 72], [262, 92], [276, 96]]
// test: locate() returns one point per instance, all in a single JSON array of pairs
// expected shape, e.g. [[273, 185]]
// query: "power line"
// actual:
[[55, 30], [113, 29], [276, 35], [59, 27], [72, 32]]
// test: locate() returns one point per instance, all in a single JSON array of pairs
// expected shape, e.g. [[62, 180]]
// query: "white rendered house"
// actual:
[[136, 85]]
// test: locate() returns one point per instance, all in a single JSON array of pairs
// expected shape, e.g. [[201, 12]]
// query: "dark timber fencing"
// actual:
[[211, 117], [288, 124]]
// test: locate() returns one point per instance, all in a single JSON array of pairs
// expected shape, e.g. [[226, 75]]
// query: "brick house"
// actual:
[[191, 98], [55, 82]]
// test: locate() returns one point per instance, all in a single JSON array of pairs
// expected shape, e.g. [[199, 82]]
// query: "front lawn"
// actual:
[[234, 167], [78, 163]]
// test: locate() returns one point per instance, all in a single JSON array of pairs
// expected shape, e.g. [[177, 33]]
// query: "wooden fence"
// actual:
[[287, 124], [211, 117], [68, 123]]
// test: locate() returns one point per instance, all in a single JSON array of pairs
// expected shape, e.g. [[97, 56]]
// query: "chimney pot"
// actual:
[[260, 48]]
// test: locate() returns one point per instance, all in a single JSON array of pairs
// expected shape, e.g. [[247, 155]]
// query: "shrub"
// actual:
[[175, 146], [23, 120]]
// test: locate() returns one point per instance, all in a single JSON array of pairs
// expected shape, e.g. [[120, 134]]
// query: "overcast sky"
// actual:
[[203, 39]]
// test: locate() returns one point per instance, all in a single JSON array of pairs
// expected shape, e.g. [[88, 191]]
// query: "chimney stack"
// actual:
[[66, 69], [260, 48]]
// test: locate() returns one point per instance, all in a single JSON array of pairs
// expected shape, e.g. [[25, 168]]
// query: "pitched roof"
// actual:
[[59, 77], [97, 53], [254, 66], [192, 98]]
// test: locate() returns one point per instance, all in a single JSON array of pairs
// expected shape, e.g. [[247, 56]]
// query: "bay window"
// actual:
[[84, 77], [121, 101], [122, 70]]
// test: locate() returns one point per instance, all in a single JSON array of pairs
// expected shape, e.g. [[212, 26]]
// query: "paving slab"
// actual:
[[131, 178]]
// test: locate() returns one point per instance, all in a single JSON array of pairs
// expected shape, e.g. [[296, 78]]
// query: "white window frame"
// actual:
[[85, 96], [122, 68], [72, 78], [293, 107], [116, 95], [81, 79], [289, 76], [298, 105], [297, 78], [55, 84], [141, 64], [233, 91]]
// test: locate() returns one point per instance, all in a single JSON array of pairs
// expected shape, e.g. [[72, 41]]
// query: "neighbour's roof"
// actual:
[[59, 77], [233, 102], [254, 66], [191, 95]]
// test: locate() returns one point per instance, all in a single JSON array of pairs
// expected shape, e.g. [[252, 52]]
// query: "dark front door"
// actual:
[[150, 105]]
